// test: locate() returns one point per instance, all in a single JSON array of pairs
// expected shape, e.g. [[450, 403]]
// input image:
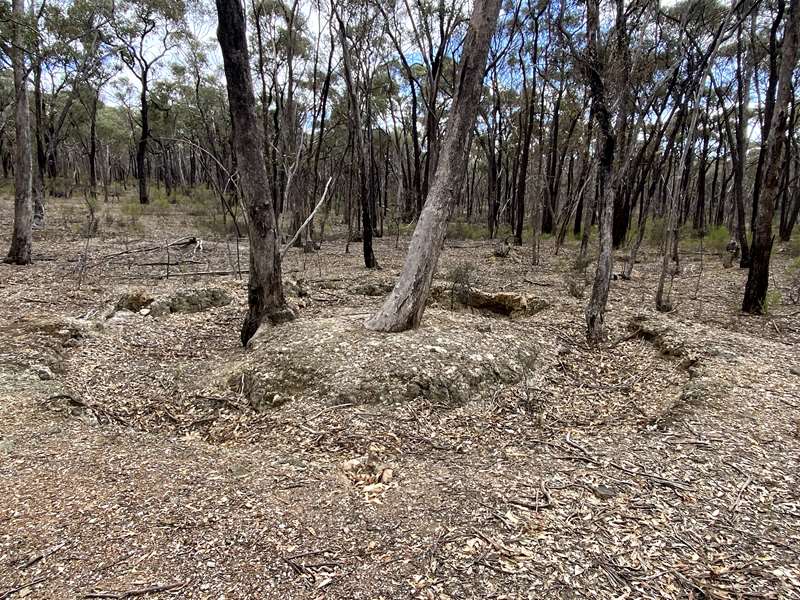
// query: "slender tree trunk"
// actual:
[[755, 293], [21, 240], [265, 289], [38, 169], [743, 75], [595, 310], [141, 147], [363, 152], [404, 307], [93, 145]]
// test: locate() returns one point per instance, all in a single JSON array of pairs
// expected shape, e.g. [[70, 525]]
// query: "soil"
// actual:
[[481, 456]]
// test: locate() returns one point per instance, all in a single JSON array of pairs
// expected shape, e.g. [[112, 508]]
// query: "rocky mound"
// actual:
[[180, 301], [450, 360]]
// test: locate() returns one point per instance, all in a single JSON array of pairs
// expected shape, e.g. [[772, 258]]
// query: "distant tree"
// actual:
[[361, 144], [146, 30], [265, 289]]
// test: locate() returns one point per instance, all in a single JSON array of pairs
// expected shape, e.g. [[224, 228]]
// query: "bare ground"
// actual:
[[663, 464]]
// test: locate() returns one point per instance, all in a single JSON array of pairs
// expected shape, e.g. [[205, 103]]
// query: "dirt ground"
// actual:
[[662, 464]]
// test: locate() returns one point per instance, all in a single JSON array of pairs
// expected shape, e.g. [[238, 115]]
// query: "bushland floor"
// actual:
[[660, 464]]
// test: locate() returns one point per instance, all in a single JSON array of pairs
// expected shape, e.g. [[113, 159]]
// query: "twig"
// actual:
[[736, 502], [43, 555], [153, 589], [308, 220], [13, 591], [329, 408], [184, 241], [654, 478]]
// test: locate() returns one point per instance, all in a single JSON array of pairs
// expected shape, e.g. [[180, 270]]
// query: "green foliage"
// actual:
[[461, 230], [656, 232], [581, 264], [463, 274], [772, 299], [717, 238], [793, 245], [404, 229], [199, 202]]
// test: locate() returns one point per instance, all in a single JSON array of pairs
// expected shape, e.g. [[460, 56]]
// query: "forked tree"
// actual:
[[265, 297], [405, 305]]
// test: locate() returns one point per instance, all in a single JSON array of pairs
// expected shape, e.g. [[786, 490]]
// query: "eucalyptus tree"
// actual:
[[755, 293], [20, 252], [405, 305], [265, 297], [145, 31]]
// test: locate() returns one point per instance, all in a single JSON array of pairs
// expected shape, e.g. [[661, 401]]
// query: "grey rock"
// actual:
[[43, 372]]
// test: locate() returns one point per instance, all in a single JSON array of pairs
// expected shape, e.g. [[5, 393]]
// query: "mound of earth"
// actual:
[[448, 361], [180, 301]]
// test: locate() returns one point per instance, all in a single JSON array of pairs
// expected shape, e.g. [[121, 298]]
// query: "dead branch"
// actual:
[[153, 589]]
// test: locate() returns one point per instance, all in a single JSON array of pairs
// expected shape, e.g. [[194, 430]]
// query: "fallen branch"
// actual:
[[184, 241], [43, 555], [21, 587], [654, 478], [153, 589], [308, 220]]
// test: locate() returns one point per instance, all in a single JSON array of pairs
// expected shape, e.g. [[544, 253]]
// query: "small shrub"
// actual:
[[772, 300], [504, 231], [656, 231], [464, 274], [461, 230], [794, 281], [394, 228], [463, 278], [581, 263], [159, 205], [199, 202], [132, 208], [576, 286], [793, 245], [717, 239]]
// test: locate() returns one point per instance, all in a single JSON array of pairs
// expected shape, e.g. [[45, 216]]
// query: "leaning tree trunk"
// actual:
[[265, 289], [755, 292], [21, 240], [404, 307]]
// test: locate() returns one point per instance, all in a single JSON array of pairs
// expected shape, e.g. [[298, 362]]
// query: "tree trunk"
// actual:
[[265, 289], [93, 145], [755, 293], [21, 240], [363, 152], [743, 76], [595, 310], [404, 307], [141, 147], [38, 170]]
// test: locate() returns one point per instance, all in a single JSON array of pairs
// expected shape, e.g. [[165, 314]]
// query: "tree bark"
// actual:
[[141, 147], [362, 149], [595, 310], [405, 305], [755, 293], [21, 240], [265, 289]]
